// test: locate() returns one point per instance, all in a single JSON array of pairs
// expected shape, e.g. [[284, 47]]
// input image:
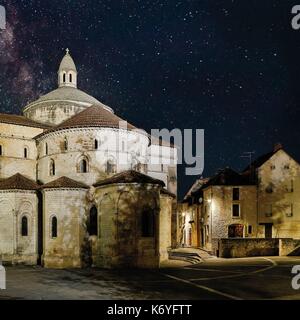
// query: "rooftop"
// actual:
[[67, 94], [67, 63], [18, 182], [65, 182], [228, 177], [94, 116], [21, 121], [129, 176], [168, 193]]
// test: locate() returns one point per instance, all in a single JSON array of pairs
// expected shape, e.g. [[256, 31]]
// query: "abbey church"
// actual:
[[80, 187]]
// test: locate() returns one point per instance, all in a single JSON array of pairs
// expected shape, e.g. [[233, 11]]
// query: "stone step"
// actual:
[[185, 256]]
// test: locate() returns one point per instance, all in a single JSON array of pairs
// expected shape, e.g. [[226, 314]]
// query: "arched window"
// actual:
[[83, 166], [111, 167], [46, 149], [93, 223], [24, 227], [25, 153], [52, 168], [96, 144], [123, 146], [54, 227], [148, 223], [70, 77], [64, 78], [66, 144], [0, 150]]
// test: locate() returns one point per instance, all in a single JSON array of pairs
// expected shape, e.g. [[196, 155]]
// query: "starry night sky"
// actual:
[[230, 67]]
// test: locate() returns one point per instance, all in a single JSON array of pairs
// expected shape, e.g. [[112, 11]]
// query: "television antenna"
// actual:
[[248, 155]]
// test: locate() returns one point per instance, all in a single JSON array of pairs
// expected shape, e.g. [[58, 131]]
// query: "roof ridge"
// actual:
[[93, 116], [18, 182], [65, 182], [21, 120], [129, 176]]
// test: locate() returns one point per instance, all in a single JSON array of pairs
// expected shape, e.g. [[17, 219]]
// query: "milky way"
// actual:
[[19, 77], [229, 67]]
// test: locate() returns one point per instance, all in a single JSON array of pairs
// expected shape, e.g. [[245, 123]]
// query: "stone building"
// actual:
[[260, 202], [278, 182], [80, 186]]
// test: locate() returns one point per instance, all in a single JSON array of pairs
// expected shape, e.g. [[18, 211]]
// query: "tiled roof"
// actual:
[[196, 186], [18, 182], [228, 177], [65, 182], [94, 116], [257, 163], [20, 121], [129, 177]]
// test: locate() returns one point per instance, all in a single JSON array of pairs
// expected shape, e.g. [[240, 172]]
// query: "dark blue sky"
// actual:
[[229, 67]]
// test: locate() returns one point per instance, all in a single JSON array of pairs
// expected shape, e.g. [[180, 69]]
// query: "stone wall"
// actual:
[[69, 207], [289, 247], [217, 212], [14, 139], [81, 145], [278, 196], [120, 242], [15, 248], [53, 113], [165, 226], [163, 165], [240, 248]]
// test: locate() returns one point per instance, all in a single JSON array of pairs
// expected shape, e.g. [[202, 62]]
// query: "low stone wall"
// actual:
[[289, 247], [254, 247]]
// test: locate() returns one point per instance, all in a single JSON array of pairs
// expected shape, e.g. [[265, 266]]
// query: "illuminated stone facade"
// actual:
[[261, 202], [92, 190]]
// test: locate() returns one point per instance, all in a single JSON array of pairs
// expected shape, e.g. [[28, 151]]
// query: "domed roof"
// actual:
[[67, 90], [67, 63], [68, 93]]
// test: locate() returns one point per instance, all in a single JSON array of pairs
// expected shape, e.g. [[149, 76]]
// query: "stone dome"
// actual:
[[64, 102], [66, 94]]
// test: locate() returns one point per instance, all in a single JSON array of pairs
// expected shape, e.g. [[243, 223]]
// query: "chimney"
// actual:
[[277, 146]]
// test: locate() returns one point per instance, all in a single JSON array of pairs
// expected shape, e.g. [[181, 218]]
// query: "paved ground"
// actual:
[[251, 278]]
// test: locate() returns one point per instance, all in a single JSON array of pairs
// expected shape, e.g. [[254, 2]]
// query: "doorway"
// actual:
[[268, 230]]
